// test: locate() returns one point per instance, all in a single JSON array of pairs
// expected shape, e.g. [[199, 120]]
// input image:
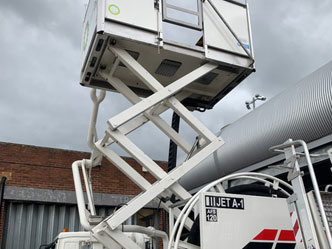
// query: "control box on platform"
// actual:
[[169, 39]]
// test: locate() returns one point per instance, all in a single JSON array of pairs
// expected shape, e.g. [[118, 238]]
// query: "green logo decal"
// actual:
[[115, 10], [85, 36]]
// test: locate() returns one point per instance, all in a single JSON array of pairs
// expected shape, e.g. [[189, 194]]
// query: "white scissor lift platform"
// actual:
[[124, 50]]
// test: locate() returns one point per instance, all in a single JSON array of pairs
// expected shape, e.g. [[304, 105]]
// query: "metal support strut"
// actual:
[[143, 111], [299, 201]]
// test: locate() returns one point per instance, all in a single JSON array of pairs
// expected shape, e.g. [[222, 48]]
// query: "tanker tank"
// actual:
[[303, 111]]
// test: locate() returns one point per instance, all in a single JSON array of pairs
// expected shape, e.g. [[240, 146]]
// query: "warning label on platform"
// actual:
[[211, 215], [224, 202]]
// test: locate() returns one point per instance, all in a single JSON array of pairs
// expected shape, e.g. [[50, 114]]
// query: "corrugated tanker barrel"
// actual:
[[304, 111]]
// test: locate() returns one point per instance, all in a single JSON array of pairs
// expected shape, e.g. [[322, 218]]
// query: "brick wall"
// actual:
[[48, 168]]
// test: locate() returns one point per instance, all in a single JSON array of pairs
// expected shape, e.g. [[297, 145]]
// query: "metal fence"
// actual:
[[29, 225]]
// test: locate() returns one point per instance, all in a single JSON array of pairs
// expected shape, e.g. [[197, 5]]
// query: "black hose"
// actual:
[[2, 189], [255, 189], [173, 148], [49, 246], [172, 156]]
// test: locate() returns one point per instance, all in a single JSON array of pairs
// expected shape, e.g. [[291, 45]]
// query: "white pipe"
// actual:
[[80, 196], [92, 128], [88, 189], [327, 187], [150, 231]]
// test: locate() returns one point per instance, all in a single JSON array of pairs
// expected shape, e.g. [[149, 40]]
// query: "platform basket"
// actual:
[[216, 31]]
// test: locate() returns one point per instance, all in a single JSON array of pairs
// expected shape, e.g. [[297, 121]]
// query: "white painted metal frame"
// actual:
[[300, 198], [301, 202], [143, 111], [175, 21]]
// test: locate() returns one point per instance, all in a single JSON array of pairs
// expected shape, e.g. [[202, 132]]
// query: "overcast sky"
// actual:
[[41, 102]]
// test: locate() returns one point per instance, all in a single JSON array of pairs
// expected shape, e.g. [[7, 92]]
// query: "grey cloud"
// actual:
[[62, 18], [41, 102], [289, 39]]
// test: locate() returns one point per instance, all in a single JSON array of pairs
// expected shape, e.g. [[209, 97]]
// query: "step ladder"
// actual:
[[313, 210], [143, 111]]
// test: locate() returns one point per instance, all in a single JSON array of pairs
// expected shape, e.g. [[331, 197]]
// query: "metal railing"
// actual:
[[315, 185], [232, 31]]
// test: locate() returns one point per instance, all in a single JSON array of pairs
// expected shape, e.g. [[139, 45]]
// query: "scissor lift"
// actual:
[[127, 53]]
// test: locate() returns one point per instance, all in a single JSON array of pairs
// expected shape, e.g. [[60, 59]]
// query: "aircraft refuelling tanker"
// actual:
[[304, 111]]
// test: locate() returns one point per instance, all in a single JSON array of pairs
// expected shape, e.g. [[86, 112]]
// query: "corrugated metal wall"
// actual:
[[28, 225]]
